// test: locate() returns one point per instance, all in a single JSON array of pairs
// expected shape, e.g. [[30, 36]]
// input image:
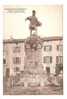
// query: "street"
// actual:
[[46, 90]]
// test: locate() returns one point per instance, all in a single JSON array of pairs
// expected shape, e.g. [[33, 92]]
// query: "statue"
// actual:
[[34, 23]]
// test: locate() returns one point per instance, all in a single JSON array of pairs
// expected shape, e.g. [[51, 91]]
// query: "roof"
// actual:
[[53, 38], [13, 41]]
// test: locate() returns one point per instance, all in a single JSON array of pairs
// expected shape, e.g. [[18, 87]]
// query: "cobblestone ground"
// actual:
[[46, 90]]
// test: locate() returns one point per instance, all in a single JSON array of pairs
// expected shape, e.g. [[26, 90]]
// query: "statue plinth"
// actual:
[[33, 68], [33, 54]]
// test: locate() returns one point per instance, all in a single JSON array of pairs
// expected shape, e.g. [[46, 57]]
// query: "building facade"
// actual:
[[14, 55]]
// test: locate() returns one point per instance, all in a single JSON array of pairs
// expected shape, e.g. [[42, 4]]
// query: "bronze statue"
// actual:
[[34, 23]]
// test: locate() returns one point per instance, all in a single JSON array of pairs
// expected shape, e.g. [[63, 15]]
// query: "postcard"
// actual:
[[33, 50]]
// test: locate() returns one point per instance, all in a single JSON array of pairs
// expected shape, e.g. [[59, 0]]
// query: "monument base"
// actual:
[[33, 69], [32, 79]]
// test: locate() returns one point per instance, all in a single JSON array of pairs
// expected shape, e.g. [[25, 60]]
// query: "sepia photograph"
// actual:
[[33, 50]]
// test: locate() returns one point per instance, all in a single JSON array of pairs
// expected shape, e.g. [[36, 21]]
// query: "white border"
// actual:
[[34, 2], [1, 50]]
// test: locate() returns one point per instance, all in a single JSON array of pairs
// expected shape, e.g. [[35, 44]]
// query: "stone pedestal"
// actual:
[[33, 55], [33, 68]]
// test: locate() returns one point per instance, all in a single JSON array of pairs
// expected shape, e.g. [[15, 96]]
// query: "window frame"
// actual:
[[58, 59], [48, 48], [47, 60], [17, 60], [59, 47]]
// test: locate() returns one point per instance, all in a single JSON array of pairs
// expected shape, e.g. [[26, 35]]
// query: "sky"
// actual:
[[51, 17]]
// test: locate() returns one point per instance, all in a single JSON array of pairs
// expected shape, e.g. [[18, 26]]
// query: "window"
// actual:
[[48, 70], [59, 47], [16, 69], [48, 48], [7, 73], [16, 49], [17, 60], [59, 59], [48, 59], [4, 61]]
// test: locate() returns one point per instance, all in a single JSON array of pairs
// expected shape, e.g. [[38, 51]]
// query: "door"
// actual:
[[48, 70], [7, 73]]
